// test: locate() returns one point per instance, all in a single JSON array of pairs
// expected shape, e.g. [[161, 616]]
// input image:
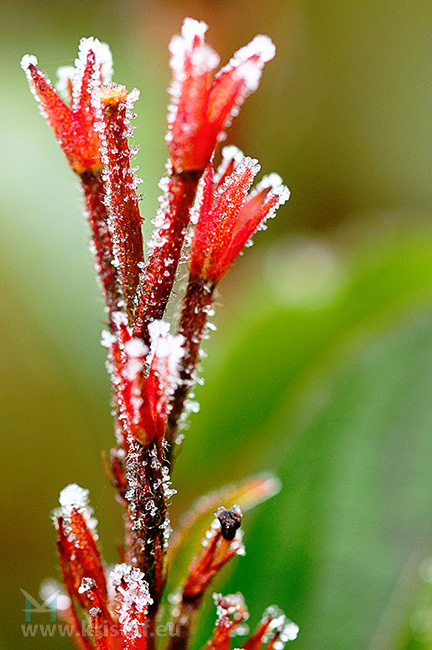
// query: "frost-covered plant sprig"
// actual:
[[152, 370]]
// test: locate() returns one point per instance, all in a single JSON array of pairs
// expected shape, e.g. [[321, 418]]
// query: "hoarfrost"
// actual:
[[166, 353], [229, 154], [201, 56], [195, 210], [247, 63], [132, 97], [166, 346], [249, 60], [136, 348], [237, 543], [275, 182], [158, 329], [161, 221], [87, 584], [107, 339], [232, 605], [74, 497], [192, 28], [26, 61], [119, 320], [168, 490], [65, 75], [245, 163], [94, 611], [102, 53], [280, 624], [133, 596]]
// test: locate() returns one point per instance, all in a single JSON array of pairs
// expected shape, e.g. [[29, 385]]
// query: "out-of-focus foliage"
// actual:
[[345, 420], [322, 366]]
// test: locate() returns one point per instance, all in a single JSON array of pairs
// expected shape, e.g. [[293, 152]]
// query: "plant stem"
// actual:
[[122, 203], [162, 266], [94, 195], [198, 299], [147, 514], [183, 623]]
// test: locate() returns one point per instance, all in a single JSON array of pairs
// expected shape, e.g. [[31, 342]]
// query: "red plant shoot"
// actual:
[[152, 370]]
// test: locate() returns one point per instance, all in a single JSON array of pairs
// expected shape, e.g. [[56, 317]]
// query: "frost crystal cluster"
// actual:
[[209, 216]]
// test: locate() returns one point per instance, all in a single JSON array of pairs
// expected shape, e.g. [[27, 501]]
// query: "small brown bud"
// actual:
[[230, 521]]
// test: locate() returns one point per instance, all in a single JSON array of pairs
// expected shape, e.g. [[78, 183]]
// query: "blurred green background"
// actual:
[[321, 368]]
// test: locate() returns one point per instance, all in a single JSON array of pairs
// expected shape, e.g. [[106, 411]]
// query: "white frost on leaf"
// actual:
[[120, 321], [166, 350], [94, 611], [74, 497], [203, 57], [86, 585], [161, 221], [281, 625], [230, 154], [65, 76], [26, 61], [250, 59], [107, 339], [231, 606], [136, 348], [133, 597], [189, 47], [102, 53], [275, 183], [102, 73], [245, 163], [237, 543], [247, 63], [192, 28]]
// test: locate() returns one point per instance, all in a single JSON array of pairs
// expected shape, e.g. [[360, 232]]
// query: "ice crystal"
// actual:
[[74, 497], [133, 598], [87, 585]]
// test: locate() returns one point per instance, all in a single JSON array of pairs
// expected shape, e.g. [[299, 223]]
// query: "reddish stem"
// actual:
[[146, 515], [124, 217], [162, 265], [199, 297], [94, 194]]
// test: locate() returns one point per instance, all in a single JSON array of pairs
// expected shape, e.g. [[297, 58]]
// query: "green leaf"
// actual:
[[337, 398]]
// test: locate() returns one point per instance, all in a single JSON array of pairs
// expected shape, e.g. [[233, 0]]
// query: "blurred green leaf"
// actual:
[[344, 413]]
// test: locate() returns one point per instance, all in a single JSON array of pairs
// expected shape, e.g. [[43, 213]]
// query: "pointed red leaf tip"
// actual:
[[274, 631], [228, 215], [75, 126], [202, 107], [79, 554], [121, 201], [144, 379], [219, 547], [231, 613]]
